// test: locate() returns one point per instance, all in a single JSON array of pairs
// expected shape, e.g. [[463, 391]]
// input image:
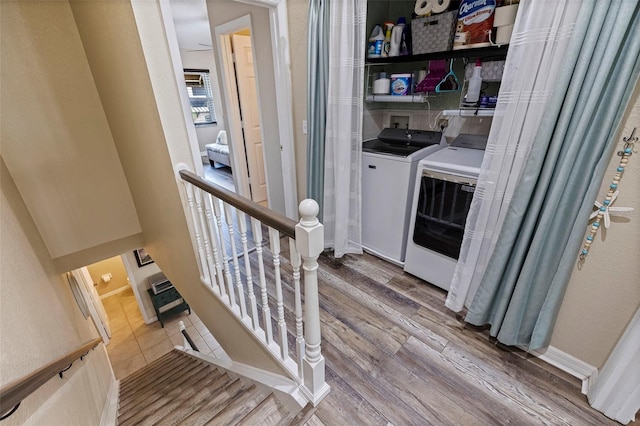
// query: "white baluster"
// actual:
[[196, 230], [203, 222], [295, 264], [228, 212], [215, 240], [266, 312], [310, 243], [274, 240], [242, 223], [223, 248]]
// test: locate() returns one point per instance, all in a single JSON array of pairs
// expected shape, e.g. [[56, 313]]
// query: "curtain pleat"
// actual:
[[524, 283], [343, 148], [318, 78], [538, 66]]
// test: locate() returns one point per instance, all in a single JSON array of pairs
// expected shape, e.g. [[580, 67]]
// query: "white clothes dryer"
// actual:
[[444, 187]]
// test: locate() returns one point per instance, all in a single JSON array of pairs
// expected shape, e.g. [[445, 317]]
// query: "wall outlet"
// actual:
[[304, 127], [443, 123]]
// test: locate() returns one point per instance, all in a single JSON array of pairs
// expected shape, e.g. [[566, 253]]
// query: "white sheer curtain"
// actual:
[[343, 146], [535, 61]]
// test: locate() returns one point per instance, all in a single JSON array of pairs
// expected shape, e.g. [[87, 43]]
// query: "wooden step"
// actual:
[[268, 412], [207, 410], [156, 389], [178, 389], [178, 399], [149, 373], [165, 390], [239, 407]]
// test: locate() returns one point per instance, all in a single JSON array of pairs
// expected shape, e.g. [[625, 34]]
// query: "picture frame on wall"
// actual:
[[142, 257]]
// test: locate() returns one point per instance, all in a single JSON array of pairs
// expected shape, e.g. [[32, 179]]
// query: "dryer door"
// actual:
[[441, 213]]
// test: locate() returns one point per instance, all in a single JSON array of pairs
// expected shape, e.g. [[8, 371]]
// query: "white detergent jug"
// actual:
[[376, 39], [396, 40]]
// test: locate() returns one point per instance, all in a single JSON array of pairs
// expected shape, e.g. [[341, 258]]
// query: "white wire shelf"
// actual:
[[412, 99], [469, 112]]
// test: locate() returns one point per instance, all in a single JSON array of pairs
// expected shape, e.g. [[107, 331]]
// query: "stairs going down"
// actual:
[[178, 389]]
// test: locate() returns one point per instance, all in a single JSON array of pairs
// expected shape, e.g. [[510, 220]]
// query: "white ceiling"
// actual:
[[192, 24]]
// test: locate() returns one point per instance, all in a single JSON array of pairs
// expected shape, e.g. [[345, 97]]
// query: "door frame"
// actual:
[[278, 22], [232, 104]]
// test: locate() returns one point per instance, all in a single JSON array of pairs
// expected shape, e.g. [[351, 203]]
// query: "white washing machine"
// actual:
[[444, 187], [389, 165]]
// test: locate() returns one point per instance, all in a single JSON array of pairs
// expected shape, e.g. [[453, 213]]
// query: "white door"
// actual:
[[82, 286], [248, 97]]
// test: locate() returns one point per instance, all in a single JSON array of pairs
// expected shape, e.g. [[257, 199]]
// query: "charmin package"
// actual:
[[474, 24]]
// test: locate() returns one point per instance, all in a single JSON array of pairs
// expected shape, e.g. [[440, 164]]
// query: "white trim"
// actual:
[[110, 410], [150, 320], [286, 390], [227, 75], [579, 369], [114, 292], [284, 104], [616, 392], [282, 70]]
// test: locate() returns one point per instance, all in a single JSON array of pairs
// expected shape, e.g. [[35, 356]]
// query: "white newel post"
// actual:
[[310, 243]]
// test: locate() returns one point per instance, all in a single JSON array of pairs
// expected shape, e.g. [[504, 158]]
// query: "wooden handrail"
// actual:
[[13, 393], [268, 217]]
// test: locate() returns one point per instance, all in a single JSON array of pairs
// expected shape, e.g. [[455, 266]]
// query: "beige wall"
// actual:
[[140, 97], [113, 266], [604, 293], [40, 321], [55, 136], [298, 14], [139, 277]]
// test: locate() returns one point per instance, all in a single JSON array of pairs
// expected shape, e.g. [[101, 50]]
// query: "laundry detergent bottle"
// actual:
[[396, 38], [386, 44], [376, 40]]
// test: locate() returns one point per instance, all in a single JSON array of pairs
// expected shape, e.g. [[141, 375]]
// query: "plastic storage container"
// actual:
[[400, 84], [382, 85]]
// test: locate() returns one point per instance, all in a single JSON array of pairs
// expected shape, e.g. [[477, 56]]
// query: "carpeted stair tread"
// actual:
[[268, 412], [166, 387], [151, 371]]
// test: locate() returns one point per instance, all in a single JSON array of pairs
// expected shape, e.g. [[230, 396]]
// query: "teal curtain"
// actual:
[[524, 283], [317, 78]]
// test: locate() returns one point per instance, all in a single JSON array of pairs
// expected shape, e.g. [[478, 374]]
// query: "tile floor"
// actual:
[[135, 344]]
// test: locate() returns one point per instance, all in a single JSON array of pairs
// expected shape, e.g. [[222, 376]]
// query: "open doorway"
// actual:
[[239, 76], [114, 293]]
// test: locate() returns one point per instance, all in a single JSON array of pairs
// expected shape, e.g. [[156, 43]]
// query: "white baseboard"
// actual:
[[110, 409], [152, 319], [114, 292], [579, 369]]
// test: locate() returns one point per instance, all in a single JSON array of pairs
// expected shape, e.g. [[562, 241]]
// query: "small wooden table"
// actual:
[[164, 298]]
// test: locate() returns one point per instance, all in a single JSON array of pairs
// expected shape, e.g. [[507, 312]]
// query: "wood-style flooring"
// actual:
[[394, 354]]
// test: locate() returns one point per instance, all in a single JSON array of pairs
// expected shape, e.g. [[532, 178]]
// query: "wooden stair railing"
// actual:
[[12, 394], [215, 213]]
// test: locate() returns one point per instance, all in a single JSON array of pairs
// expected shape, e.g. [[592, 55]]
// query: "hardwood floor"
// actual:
[[395, 354], [221, 175]]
